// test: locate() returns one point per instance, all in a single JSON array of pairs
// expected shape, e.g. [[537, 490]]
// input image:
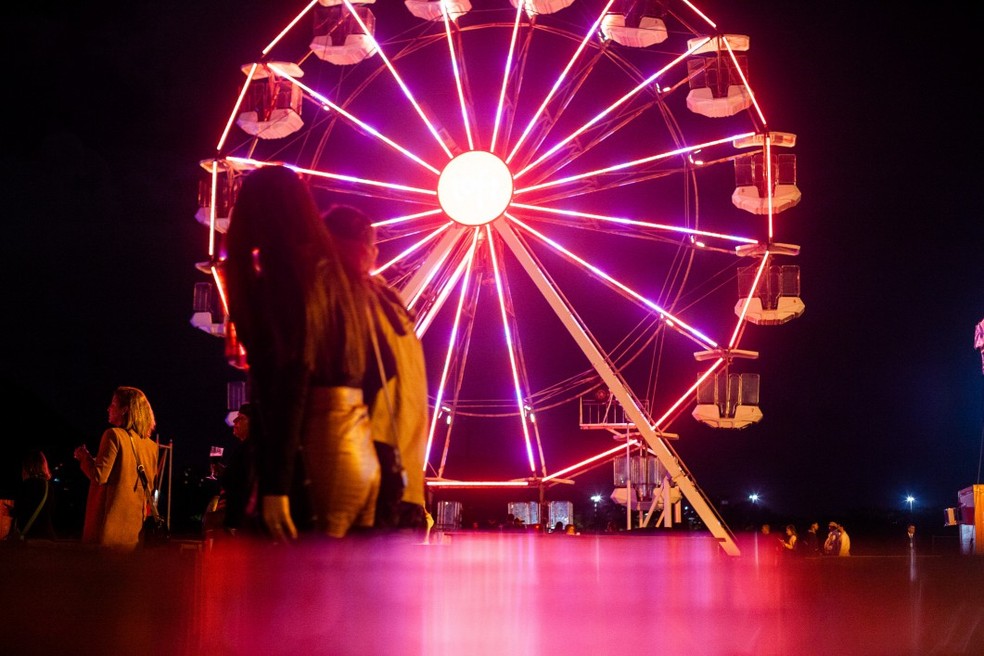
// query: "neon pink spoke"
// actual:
[[235, 110], [688, 394], [744, 80], [425, 318], [511, 348], [700, 13], [634, 222], [463, 484], [633, 163], [641, 86], [405, 218], [218, 285], [505, 76], [457, 76], [671, 320], [733, 342], [213, 197], [365, 126], [412, 248], [587, 461], [289, 27], [452, 341], [768, 180], [399, 80], [334, 176], [592, 31]]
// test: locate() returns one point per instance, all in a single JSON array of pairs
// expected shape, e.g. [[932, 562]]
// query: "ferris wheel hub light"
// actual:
[[475, 188]]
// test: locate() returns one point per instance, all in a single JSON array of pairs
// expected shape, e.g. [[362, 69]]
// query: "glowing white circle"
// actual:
[[475, 188]]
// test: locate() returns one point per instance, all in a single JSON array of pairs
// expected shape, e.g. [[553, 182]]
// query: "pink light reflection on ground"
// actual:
[[490, 593]]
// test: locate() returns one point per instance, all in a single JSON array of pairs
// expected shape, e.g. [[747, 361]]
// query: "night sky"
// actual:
[[876, 392]]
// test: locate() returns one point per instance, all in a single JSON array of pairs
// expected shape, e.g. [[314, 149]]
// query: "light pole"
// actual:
[[909, 499]]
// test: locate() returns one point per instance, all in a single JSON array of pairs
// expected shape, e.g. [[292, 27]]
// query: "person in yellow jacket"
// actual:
[[398, 408]]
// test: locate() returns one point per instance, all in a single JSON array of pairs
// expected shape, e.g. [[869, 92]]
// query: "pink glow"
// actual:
[[700, 13], [452, 341], [457, 77], [688, 394], [744, 81], [431, 273], [423, 322], [406, 217], [588, 461], [645, 83], [698, 336], [235, 110], [213, 194], [751, 294], [220, 286], [399, 80], [334, 176], [634, 222], [412, 248], [453, 484], [560, 79], [289, 27], [505, 76], [637, 162], [768, 180], [511, 348], [365, 126]]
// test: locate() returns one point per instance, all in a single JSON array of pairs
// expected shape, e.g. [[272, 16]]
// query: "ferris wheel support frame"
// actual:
[[670, 461]]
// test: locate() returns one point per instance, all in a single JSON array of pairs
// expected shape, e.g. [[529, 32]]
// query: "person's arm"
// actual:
[[102, 464], [85, 461], [276, 516], [281, 394]]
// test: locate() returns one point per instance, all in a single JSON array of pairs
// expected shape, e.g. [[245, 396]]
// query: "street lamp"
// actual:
[[909, 499], [753, 497]]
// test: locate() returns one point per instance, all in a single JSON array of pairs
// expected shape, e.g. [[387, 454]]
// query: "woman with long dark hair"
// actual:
[[304, 329]]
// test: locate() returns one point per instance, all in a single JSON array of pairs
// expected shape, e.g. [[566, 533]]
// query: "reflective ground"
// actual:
[[488, 593]]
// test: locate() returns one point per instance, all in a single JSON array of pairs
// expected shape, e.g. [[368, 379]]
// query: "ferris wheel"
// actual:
[[578, 201]]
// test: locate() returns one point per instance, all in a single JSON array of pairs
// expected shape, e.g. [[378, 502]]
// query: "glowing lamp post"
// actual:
[[909, 499]]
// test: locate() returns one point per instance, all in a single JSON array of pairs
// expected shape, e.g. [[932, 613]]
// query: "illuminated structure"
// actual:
[[543, 186]]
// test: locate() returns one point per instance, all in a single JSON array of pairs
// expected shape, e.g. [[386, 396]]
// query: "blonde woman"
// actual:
[[117, 504]]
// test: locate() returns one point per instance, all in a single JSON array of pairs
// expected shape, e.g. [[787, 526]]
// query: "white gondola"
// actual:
[[338, 37], [634, 23], [542, 6], [728, 401], [228, 178], [777, 299], [204, 310], [716, 86], [272, 105], [751, 176], [430, 10]]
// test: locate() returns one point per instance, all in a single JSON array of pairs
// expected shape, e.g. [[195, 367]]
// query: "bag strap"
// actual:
[[37, 511], [142, 475], [382, 382]]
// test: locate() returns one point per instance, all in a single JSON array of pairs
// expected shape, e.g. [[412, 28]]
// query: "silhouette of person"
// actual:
[[811, 541], [35, 499], [790, 545], [303, 327], [838, 542], [238, 479]]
